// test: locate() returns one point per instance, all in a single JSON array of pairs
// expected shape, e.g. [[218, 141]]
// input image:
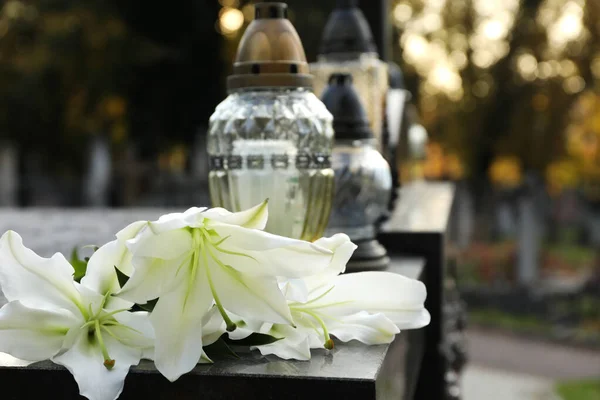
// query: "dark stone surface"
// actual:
[[351, 371], [419, 227]]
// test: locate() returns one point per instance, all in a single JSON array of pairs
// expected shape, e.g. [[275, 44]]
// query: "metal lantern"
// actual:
[[348, 46], [363, 181], [272, 137]]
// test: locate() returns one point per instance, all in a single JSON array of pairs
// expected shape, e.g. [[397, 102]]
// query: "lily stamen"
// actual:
[[316, 298], [184, 262], [118, 324], [110, 314], [328, 341], [100, 322], [109, 363], [216, 244]]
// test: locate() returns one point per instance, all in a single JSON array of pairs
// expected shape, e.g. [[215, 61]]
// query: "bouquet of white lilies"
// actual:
[[167, 290]]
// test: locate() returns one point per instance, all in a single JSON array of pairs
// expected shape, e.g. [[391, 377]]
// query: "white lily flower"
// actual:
[[201, 257], [79, 326], [370, 307]]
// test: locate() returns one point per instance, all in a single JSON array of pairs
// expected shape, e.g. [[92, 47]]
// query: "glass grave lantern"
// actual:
[[272, 137], [363, 181]]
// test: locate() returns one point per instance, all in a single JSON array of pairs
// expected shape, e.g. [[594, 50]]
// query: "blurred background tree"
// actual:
[[66, 70], [494, 80], [133, 73]]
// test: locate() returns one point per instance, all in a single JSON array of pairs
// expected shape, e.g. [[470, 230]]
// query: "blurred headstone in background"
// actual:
[[8, 174], [506, 218], [97, 181], [529, 239], [463, 219]]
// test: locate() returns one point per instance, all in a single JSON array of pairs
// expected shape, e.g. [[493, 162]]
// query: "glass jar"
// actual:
[[273, 143]]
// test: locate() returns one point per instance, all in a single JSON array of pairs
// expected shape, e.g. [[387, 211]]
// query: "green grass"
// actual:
[[508, 321], [576, 255], [579, 390]]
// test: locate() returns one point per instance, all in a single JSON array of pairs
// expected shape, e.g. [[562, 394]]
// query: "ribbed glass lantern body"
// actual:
[[370, 79], [363, 185], [274, 143]]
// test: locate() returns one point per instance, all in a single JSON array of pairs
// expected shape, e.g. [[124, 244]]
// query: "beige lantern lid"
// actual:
[[270, 53]]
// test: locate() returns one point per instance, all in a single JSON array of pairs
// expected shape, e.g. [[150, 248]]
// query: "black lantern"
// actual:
[[363, 180]]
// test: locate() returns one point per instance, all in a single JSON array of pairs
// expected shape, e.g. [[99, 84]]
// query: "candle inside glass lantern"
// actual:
[[363, 180], [272, 137]]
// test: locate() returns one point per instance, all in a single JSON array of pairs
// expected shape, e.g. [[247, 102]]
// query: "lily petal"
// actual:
[[290, 262], [213, 327], [136, 330], [401, 299], [31, 334], [248, 326], [85, 362], [100, 275], [318, 263], [294, 290], [166, 245], [294, 261], [177, 321], [293, 346], [168, 222], [37, 282], [342, 249], [253, 218], [253, 239], [6, 360], [131, 230], [366, 328], [248, 295], [152, 277]]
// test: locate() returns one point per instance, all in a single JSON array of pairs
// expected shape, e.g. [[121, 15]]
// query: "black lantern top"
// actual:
[[347, 31], [349, 117]]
